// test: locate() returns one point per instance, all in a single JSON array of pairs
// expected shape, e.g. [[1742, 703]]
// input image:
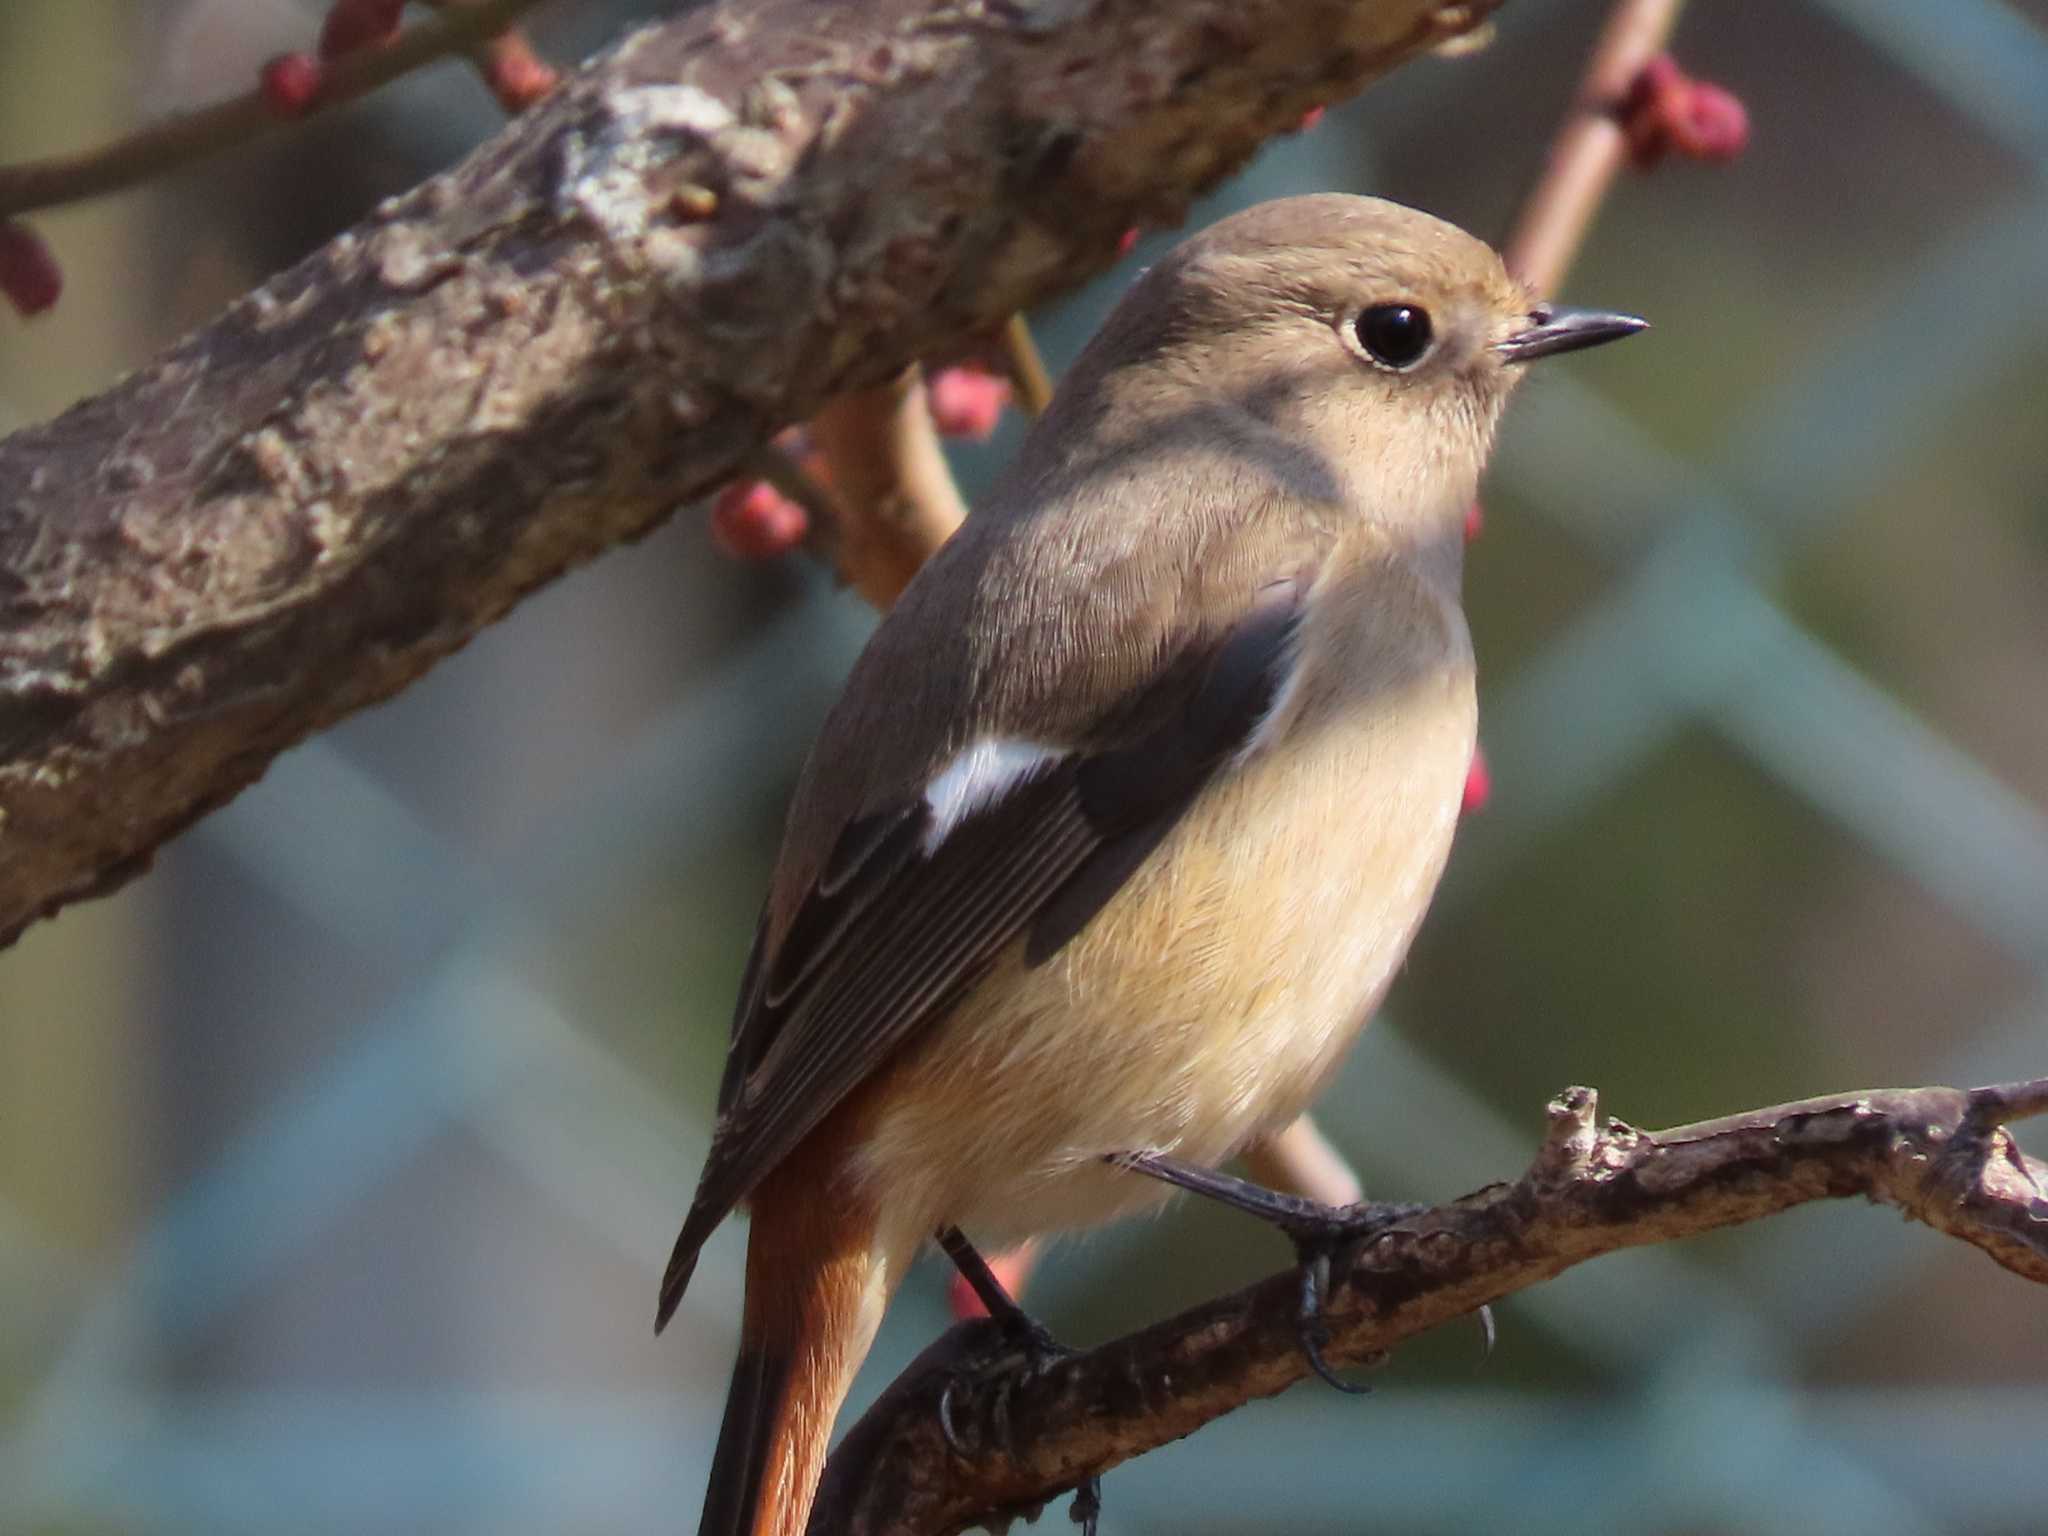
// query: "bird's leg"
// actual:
[[1026, 1331], [1027, 1334], [1316, 1230]]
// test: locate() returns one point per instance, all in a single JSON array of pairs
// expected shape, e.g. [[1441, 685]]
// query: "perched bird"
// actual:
[[1132, 804]]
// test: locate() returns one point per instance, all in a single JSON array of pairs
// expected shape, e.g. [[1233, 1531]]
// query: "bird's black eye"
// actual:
[[1394, 334]]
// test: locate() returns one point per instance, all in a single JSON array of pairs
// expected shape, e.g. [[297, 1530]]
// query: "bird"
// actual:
[[1131, 805]]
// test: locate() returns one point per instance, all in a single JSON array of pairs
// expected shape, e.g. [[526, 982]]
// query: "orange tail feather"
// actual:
[[816, 1287]]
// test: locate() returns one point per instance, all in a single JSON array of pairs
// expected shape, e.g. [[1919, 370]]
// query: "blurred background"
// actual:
[[339, 1157]]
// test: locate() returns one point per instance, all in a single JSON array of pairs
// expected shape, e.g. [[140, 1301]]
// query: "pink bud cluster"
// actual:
[[751, 520], [516, 75], [291, 84], [967, 401], [351, 26], [1667, 111], [29, 276]]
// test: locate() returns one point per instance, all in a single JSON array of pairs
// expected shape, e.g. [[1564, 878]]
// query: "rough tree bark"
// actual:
[[698, 239]]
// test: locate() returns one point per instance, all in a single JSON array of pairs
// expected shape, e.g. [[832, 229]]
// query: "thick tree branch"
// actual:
[[1939, 1155], [602, 313]]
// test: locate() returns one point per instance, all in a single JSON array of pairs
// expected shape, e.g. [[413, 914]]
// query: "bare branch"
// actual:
[[1939, 1155], [1026, 368], [1590, 148], [163, 146], [889, 476], [692, 243]]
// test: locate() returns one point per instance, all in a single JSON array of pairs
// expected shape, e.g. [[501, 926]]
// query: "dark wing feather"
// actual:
[[890, 936], [1133, 794]]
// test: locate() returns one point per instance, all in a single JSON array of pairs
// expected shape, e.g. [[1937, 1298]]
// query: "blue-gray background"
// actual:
[[338, 1158]]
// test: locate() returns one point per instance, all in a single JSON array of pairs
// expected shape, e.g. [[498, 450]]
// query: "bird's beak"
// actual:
[[1558, 329]]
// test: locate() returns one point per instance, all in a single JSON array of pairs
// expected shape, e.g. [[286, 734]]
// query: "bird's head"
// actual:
[[1383, 339]]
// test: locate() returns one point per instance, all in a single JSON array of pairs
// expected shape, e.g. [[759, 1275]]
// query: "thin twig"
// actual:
[[896, 498], [1028, 378], [1590, 148], [177, 141], [889, 476]]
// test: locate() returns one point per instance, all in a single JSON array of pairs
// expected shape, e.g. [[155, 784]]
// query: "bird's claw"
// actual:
[[1317, 1234], [1316, 1230], [1086, 1509], [1028, 1350], [948, 1430], [1310, 1331]]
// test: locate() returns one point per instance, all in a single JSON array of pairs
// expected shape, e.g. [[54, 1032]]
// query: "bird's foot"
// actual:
[[1312, 1253], [1024, 1333], [1086, 1509], [1316, 1230], [1019, 1349], [1313, 1250], [1022, 1346]]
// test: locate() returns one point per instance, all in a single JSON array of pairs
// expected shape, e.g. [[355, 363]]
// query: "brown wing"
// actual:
[[891, 934]]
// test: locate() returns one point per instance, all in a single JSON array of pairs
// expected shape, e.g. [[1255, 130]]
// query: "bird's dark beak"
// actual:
[[1558, 329]]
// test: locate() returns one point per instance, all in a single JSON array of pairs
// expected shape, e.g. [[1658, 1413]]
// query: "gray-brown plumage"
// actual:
[[1133, 803]]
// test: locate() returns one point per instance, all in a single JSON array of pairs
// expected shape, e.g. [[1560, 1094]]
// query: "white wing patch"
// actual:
[[980, 776]]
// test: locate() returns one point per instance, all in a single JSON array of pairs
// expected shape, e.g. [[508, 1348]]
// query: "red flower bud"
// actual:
[[1478, 784], [29, 275], [353, 25], [290, 84], [1666, 111], [751, 520], [1715, 124], [516, 75], [966, 402]]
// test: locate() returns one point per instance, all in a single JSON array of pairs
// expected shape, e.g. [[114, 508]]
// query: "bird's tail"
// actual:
[[816, 1286]]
